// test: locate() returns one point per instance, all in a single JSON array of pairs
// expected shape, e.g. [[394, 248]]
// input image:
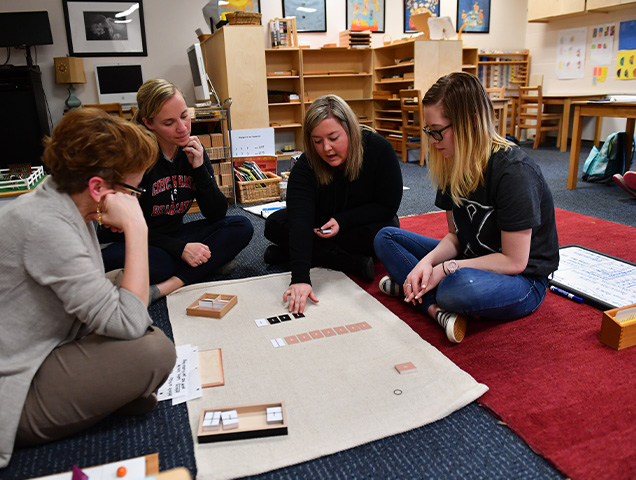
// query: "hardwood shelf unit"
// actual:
[[403, 65], [284, 73], [346, 72], [510, 70], [470, 60]]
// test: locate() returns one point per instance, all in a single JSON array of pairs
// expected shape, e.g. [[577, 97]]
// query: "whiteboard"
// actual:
[[603, 281]]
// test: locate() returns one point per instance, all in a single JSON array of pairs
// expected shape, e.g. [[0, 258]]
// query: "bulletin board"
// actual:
[[601, 280]]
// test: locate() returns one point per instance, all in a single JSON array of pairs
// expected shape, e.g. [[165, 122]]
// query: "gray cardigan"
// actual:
[[52, 291]]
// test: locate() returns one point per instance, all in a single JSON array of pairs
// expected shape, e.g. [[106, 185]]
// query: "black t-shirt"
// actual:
[[514, 197]]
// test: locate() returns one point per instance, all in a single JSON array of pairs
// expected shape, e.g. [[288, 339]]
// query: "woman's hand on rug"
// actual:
[[195, 254], [298, 294]]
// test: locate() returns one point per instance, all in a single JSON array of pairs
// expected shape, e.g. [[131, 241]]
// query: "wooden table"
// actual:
[[501, 105], [598, 110], [566, 101]]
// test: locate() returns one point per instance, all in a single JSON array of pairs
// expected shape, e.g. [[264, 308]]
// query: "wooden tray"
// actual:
[[252, 424], [198, 311]]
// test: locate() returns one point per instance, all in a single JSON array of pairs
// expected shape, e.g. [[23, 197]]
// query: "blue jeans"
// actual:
[[469, 291]]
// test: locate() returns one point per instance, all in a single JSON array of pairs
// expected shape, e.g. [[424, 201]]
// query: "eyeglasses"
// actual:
[[136, 191], [436, 134]]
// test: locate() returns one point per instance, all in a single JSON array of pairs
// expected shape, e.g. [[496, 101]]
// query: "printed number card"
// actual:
[[253, 142]]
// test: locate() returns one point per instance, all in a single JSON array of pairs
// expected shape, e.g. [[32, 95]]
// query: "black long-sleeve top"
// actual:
[[373, 197]]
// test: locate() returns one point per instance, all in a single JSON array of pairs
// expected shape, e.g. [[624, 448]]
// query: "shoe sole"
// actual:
[[457, 330], [630, 180], [620, 181]]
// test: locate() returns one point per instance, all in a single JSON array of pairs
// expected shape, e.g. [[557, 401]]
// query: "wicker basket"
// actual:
[[243, 18], [259, 190]]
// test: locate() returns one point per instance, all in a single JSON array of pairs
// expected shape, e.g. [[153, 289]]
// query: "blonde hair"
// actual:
[[332, 106], [465, 103], [151, 97], [89, 142]]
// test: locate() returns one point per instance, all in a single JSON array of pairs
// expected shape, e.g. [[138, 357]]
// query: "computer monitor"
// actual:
[[199, 78], [118, 83], [204, 92]]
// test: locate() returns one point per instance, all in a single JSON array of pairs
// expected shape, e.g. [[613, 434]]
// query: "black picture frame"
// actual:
[[411, 7], [95, 28], [476, 13], [359, 23], [306, 20]]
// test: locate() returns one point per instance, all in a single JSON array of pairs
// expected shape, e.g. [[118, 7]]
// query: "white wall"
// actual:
[[170, 26], [542, 39]]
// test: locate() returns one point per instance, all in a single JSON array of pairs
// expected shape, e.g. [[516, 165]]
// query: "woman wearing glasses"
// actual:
[[341, 192], [74, 348], [502, 241], [180, 253]]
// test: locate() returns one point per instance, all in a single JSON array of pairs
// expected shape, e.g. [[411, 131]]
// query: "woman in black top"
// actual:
[[180, 253], [341, 192]]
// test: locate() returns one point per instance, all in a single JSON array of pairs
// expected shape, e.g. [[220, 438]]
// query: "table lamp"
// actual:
[[70, 70]]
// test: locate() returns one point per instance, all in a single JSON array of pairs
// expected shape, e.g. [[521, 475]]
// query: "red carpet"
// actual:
[[571, 398]]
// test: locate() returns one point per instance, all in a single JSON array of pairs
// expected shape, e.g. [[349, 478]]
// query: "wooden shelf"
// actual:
[[425, 60]]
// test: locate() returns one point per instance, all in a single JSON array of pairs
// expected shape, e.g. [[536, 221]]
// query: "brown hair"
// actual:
[[332, 106], [467, 106], [151, 97], [89, 142]]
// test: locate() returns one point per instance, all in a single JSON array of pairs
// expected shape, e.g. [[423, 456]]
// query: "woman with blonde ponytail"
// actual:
[[502, 241]]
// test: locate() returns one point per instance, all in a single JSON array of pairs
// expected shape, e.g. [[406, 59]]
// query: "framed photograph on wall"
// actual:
[[227, 6], [413, 7], [365, 15], [105, 29], [475, 14], [311, 15]]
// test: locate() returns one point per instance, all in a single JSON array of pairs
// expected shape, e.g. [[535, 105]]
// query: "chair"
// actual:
[[412, 123], [499, 92], [112, 108], [532, 117]]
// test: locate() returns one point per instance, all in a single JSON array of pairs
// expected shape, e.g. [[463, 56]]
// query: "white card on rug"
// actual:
[[184, 382]]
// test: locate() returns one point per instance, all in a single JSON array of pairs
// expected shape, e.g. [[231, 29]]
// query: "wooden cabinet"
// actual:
[[284, 88], [470, 59], [545, 10], [234, 59], [510, 70], [608, 5], [346, 72], [409, 64]]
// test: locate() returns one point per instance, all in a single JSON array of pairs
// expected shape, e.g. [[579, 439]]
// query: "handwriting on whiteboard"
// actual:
[[607, 279]]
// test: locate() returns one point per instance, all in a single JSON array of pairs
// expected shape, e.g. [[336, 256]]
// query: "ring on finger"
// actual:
[[407, 284]]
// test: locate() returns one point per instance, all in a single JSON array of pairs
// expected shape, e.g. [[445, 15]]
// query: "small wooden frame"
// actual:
[[617, 335], [219, 305], [252, 423]]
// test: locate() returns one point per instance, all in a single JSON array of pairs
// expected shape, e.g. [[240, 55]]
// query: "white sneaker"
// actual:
[[391, 287], [453, 324]]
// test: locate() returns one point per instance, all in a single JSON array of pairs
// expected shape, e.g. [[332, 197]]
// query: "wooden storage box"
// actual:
[[259, 190], [228, 301], [615, 335], [252, 423]]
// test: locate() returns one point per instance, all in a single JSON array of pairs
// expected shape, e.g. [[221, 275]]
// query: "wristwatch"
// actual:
[[451, 266]]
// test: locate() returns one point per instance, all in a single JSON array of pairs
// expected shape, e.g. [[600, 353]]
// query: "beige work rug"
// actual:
[[339, 390]]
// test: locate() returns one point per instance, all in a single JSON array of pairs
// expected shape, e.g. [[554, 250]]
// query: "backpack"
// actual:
[[601, 165]]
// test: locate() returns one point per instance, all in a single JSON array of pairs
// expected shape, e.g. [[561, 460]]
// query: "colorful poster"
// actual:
[[570, 59], [626, 58], [602, 44], [365, 15]]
